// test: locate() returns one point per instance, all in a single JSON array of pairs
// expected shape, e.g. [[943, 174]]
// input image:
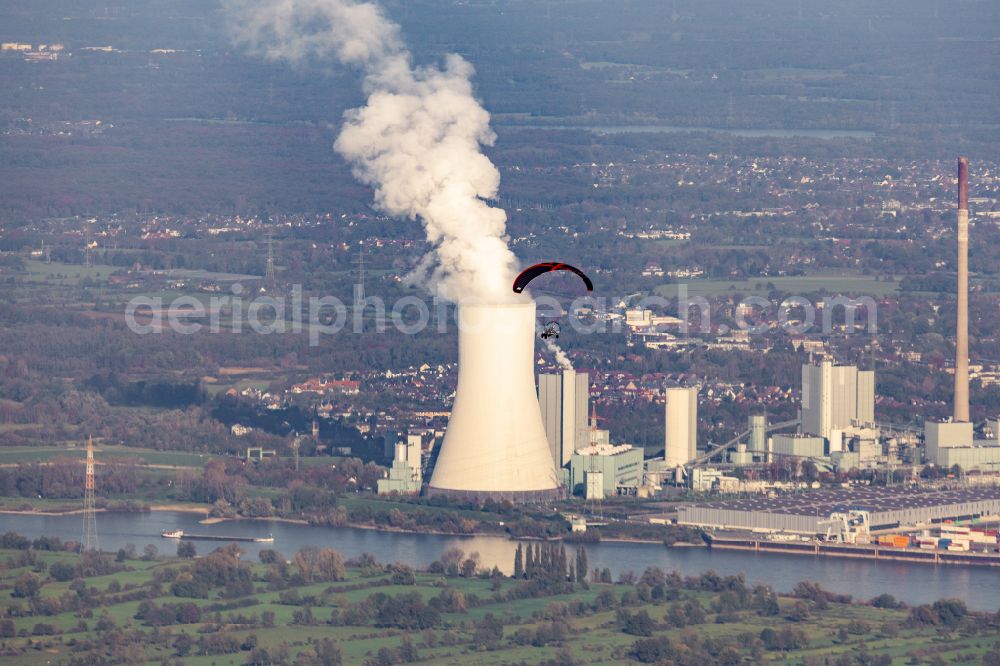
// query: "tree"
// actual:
[[489, 632], [885, 601], [452, 559], [330, 565], [950, 611], [470, 565], [518, 563], [186, 550], [652, 650], [636, 624], [270, 556], [328, 653], [62, 571], [581, 564], [26, 586], [306, 560], [799, 612]]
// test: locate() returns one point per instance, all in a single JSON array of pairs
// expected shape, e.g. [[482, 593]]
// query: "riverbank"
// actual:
[[182, 508], [215, 520], [208, 519]]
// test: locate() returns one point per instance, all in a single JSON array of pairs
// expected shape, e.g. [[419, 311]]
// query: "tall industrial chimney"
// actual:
[[962, 327], [495, 445]]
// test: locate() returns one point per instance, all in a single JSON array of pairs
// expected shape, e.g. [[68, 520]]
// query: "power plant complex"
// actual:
[[513, 437]]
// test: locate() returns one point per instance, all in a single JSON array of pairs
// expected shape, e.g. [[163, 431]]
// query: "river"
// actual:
[[863, 579]]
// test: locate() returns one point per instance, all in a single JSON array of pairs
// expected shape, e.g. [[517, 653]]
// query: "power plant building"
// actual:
[[950, 443], [798, 445], [834, 397], [620, 469], [681, 433], [564, 401], [405, 475], [495, 445]]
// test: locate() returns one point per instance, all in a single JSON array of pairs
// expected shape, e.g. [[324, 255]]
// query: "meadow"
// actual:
[[61, 607]]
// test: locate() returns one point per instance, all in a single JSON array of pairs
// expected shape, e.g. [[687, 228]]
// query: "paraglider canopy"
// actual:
[[530, 273]]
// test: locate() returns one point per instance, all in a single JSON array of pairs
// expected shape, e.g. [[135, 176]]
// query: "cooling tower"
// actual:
[[962, 318], [495, 445]]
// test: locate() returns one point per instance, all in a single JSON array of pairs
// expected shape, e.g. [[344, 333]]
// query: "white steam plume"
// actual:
[[417, 141], [561, 358]]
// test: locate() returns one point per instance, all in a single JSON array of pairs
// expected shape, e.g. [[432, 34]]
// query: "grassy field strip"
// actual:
[[833, 284]]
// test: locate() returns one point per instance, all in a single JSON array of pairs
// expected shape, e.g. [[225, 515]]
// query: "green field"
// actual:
[[66, 274], [25, 454], [476, 619], [833, 284]]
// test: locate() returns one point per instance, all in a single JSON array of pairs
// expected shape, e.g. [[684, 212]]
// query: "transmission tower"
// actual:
[[89, 507], [269, 271]]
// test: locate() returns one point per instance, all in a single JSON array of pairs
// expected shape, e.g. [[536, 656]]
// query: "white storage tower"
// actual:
[[681, 425]]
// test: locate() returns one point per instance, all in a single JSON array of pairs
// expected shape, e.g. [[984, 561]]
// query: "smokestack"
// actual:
[[962, 327], [495, 445]]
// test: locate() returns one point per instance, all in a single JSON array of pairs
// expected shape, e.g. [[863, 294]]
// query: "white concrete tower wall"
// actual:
[[825, 398], [550, 404], [581, 415], [567, 443], [758, 433], [414, 453], [843, 397], [692, 423], [564, 402], [812, 395], [495, 444], [866, 396], [680, 435]]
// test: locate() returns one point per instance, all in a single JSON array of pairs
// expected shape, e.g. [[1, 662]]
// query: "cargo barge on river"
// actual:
[[181, 534]]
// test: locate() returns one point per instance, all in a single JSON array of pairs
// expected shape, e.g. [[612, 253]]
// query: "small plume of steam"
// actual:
[[561, 358], [417, 141]]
